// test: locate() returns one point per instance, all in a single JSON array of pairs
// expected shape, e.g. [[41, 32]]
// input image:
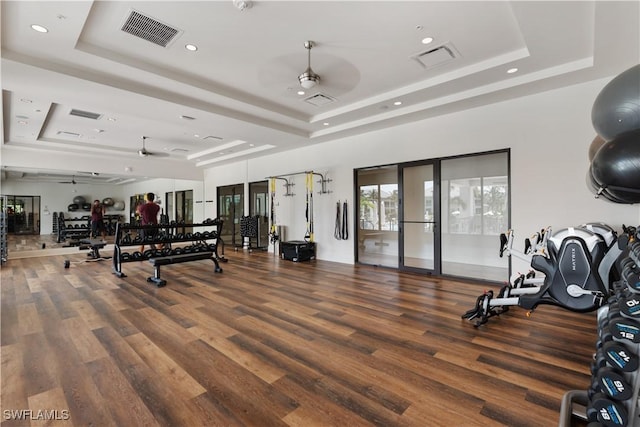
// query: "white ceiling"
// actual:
[[241, 87]]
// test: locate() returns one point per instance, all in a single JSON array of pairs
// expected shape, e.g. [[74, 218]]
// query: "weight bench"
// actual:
[[94, 245], [176, 259]]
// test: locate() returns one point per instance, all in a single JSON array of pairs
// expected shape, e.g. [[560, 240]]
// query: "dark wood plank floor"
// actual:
[[271, 342]]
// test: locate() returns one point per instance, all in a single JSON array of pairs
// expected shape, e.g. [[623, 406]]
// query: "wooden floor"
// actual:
[[269, 343]]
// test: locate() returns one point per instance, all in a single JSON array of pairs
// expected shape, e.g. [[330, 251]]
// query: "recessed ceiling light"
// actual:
[[512, 70], [325, 124], [191, 47], [397, 103], [39, 28], [111, 119], [427, 40], [195, 135], [300, 92]]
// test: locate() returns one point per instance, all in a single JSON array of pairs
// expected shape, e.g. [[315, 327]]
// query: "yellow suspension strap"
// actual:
[[272, 231], [307, 215], [311, 234]]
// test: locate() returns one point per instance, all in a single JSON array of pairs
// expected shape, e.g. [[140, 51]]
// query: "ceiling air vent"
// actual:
[[149, 29], [434, 57], [67, 133], [319, 100], [85, 114]]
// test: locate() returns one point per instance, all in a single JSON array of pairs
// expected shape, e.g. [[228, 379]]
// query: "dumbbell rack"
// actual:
[[167, 235], [70, 228], [612, 398]]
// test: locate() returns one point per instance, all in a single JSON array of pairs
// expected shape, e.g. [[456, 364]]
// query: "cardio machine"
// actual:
[[577, 263]]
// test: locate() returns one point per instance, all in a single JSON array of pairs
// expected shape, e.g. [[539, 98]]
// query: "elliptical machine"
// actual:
[[576, 262]]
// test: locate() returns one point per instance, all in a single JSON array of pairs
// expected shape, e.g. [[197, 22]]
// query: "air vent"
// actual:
[[211, 137], [435, 57], [85, 114], [179, 150], [319, 100], [64, 132], [149, 29]]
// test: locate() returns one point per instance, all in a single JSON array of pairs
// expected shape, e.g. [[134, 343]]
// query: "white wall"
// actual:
[[549, 135]]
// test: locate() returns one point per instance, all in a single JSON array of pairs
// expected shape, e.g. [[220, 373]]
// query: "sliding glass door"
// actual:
[[475, 210], [377, 232], [445, 217], [419, 210]]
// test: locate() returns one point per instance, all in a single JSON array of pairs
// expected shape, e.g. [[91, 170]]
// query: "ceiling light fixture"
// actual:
[[39, 28], [242, 5], [397, 103], [308, 79], [427, 40], [191, 47], [512, 70]]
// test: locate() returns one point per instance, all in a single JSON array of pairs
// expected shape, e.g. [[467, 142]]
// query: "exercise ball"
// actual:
[[78, 200], [73, 207], [108, 201], [616, 109], [119, 205], [616, 166], [595, 146]]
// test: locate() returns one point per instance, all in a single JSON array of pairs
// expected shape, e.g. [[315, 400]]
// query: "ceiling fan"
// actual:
[[143, 152], [73, 181]]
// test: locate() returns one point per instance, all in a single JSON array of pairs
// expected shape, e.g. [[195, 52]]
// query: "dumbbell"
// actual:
[[619, 356], [137, 256], [613, 384], [623, 328], [607, 412], [147, 254], [125, 256]]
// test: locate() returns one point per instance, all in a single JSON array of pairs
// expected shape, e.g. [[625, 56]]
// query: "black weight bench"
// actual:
[[177, 259], [94, 245]]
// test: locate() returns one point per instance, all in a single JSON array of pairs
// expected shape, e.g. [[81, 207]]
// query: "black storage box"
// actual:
[[298, 250]]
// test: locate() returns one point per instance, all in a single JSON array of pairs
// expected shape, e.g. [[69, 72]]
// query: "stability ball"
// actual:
[[108, 201], [616, 109], [79, 200], [616, 166], [119, 205]]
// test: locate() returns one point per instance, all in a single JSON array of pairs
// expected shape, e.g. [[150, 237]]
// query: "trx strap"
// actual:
[[272, 231], [337, 233], [345, 223], [311, 237], [307, 213]]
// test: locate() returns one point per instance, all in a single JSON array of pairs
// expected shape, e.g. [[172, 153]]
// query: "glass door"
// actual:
[[258, 196], [377, 232], [231, 211], [419, 238]]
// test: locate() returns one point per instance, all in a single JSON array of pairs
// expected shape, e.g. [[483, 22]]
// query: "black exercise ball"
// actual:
[[595, 146], [79, 200], [616, 166], [616, 109], [73, 207]]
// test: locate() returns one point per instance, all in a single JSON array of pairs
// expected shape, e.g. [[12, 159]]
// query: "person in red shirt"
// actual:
[[148, 216]]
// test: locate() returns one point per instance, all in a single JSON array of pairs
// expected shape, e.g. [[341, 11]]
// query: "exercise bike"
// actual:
[[577, 264]]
